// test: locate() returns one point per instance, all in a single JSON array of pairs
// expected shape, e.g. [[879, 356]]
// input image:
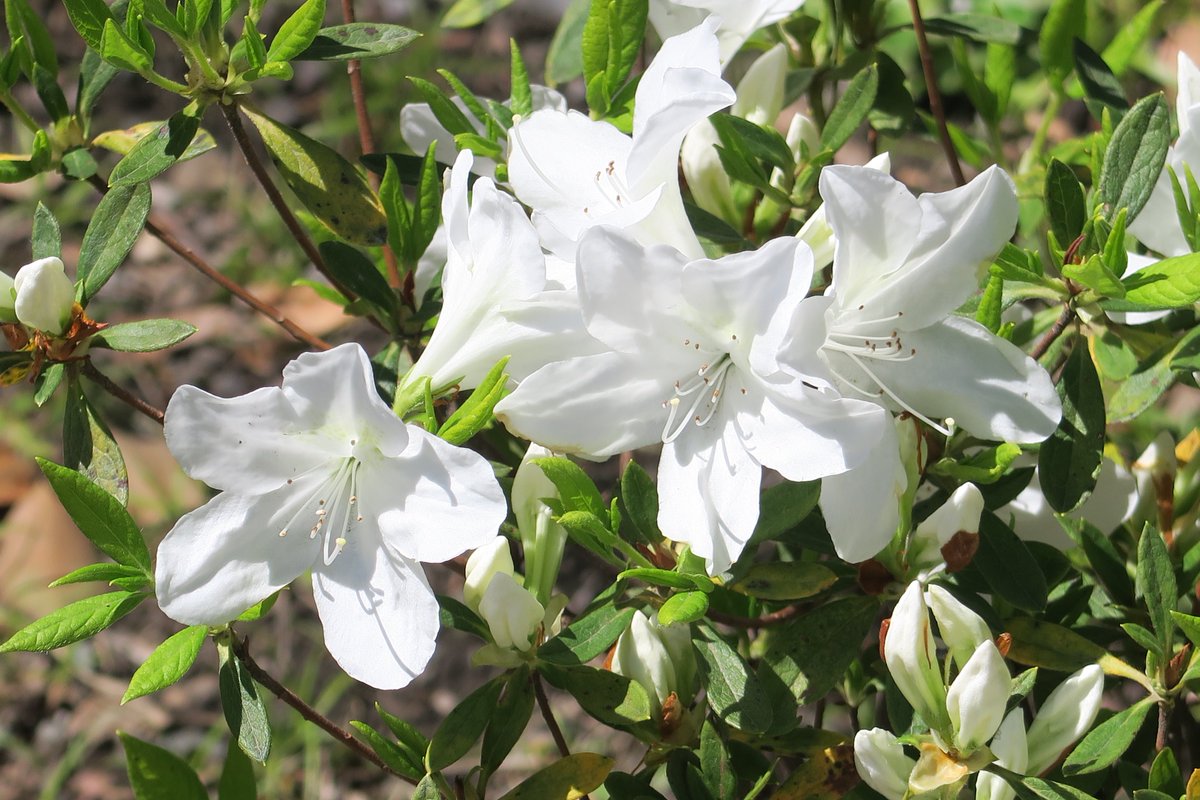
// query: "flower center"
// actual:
[[857, 340], [609, 183], [704, 390], [332, 509]]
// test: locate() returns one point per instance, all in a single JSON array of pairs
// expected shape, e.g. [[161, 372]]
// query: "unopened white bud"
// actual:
[[44, 295], [881, 762], [960, 513], [542, 539], [654, 656], [961, 628], [911, 659], [1158, 460], [512, 614], [1065, 716], [486, 562], [760, 92], [706, 176], [977, 698], [1011, 751]]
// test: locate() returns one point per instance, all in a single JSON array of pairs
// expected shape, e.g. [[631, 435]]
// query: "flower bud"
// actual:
[[541, 537], [961, 628], [881, 762], [1065, 716], [706, 177], [1011, 751], [45, 295], [658, 657], [8, 299], [960, 513], [910, 658], [976, 699], [816, 232], [482, 566], [512, 614], [760, 92]]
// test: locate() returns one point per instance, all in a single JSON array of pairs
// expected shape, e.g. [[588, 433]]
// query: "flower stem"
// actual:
[[122, 394], [765, 621], [1056, 330], [1039, 136], [242, 649], [548, 714], [935, 96], [289, 219], [158, 230]]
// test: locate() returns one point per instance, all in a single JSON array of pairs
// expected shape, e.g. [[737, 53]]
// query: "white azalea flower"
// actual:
[[691, 361], [321, 474], [1114, 500], [960, 628], [902, 265], [882, 763], [1011, 750], [976, 698], [1157, 224], [739, 19], [496, 300], [419, 127], [659, 657], [575, 172], [43, 296], [542, 539], [1066, 715]]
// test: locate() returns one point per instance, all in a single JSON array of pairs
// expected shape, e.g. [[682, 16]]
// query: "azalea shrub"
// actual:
[[899, 508]]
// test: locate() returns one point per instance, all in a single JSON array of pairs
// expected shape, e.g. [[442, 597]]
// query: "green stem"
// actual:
[[19, 112], [1034, 153], [164, 83]]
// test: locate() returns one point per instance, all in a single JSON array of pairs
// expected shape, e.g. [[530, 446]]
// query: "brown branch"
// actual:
[[289, 219], [122, 394], [1056, 330], [935, 96], [548, 714], [159, 231], [765, 621], [242, 649]]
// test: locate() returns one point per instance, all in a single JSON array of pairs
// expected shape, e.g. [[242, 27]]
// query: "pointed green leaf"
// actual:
[[169, 662], [156, 774]]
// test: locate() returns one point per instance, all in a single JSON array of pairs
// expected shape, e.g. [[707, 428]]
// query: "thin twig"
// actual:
[[289, 219], [122, 394], [241, 648], [548, 714], [935, 96], [1164, 722], [158, 230], [1056, 330], [765, 621]]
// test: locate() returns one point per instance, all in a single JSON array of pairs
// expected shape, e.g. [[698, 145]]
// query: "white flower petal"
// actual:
[[249, 444], [881, 762], [861, 505], [911, 657], [333, 393], [512, 614], [1065, 716], [976, 699], [228, 555], [961, 628], [434, 501], [45, 295], [484, 564], [379, 614], [1011, 752]]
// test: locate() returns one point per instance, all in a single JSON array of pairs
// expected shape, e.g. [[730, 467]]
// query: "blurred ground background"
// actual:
[[58, 711]]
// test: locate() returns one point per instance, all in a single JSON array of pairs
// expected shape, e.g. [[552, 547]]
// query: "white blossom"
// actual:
[[43, 295]]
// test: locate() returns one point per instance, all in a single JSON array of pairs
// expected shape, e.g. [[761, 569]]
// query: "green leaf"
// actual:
[[1038, 643], [975, 27], [1093, 273], [608, 696], [298, 31], [99, 516], [392, 754], [683, 608], [453, 614], [156, 774], [785, 580], [237, 776], [79, 164], [124, 140], [1144, 637], [16, 170], [591, 532], [1130, 37], [46, 239], [1066, 207], [195, 12], [1141, 389], [564, 59], [244, 709], [1135, 156], [766, 144], [468, 13], [1069, 461], [144, 336], [587, 637], [851, 109], [811, 653], [991, 304], [463, 726], [1155, 584], [1108, 741], [1169, 283], [1189, 625], [575, 488], [476, 413], [715, 765], [783, 507], [447, 113], [1064, 23], [639, 496], [35, 41], [326, 184], [520, 95], [569, 778], [1038, 788], [74, 622], [159, 150], [611, 38], [983, 467], [668, 578], [734, 692], [169, 662], [106, 572], [119, 50], [1165, 776], [512, 715], [427, 789], [1097, 79], [115, 226], [357, 41], [360, 275], [407, 736], [89, 447], [89, 18], [157, 14], [1008, 566]]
